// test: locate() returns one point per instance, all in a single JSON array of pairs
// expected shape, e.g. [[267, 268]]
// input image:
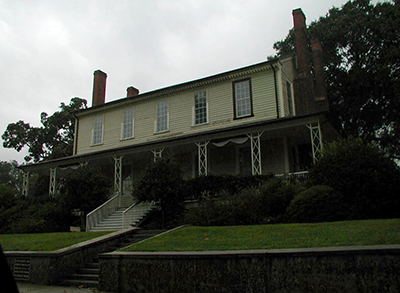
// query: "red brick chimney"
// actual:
[[132, 92], [301, 41], [320, 83], [99, 88]]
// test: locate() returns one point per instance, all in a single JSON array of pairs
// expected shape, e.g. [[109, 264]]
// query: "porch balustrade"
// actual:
[[294, 177], [97, 215]]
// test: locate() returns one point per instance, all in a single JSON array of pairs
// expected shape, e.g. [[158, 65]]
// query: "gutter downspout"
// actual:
[[276, 93]]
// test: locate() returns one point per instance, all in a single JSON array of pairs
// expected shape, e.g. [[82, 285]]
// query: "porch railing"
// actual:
[[294, 177], [97, 215], [135, 213]]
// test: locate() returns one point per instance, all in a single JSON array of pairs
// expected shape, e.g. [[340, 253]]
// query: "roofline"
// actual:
[[258, 67], [77, 158]]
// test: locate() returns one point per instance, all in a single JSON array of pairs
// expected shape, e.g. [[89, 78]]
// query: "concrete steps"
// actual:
[[112, 223], [88, 275]]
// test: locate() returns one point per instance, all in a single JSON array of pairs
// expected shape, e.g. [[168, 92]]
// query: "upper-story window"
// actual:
[[98, 130], [200, 108], [290, 98], [242, 98], [127, 129], [162, 116]]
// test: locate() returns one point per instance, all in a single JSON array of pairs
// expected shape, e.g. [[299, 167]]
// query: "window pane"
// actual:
[[98, 130], [128, 124], [242, 98], [162, 116], [200, 107]]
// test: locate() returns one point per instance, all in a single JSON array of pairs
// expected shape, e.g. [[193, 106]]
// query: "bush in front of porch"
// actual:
[[366, 179]]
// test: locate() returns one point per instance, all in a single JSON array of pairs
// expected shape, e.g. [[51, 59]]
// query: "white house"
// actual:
[[268, 117]]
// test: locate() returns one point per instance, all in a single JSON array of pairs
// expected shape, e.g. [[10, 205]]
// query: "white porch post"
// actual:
[[203, 158], [256, 168], [25, 184], [157, 154], [118, 176], [52, 188], [316, 140]]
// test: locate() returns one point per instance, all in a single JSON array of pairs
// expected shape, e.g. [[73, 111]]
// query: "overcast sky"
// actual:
[[49, 49]]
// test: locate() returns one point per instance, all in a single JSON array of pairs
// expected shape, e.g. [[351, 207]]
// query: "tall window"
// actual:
[[243, 99], [162, 116], [200, 108], [98, 129], [290, 98], [127, 125]]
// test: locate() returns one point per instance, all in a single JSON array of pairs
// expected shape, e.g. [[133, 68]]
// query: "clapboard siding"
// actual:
[[180, 106]]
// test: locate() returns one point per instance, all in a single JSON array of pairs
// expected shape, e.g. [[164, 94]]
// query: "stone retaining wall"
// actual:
[[46, 268], [344, 269]]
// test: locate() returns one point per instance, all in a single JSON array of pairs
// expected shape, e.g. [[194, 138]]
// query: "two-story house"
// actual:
[[268, 117]]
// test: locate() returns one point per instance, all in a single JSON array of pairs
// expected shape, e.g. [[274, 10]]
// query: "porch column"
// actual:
[[157, 154], [203, 158], [25, 184], [52, 188], [255, 153], [118, 175], [316, 140]]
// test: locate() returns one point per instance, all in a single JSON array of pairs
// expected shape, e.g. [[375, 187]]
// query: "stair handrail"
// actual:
[[125, 220], [127, 215], [99, 213]]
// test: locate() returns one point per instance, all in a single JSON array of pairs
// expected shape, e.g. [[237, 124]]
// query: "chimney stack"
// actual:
[[99, 88], [301, 41], [320, 83], [132, 92]]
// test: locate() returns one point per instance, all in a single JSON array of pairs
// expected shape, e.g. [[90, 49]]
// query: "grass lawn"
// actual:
[[346, 233], [45, 241]]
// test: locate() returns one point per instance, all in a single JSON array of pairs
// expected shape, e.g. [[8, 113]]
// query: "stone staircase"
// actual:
[[88, 275]]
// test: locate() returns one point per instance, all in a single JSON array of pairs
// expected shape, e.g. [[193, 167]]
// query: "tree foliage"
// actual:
[[10, 175], [361, 44], [54, 139]]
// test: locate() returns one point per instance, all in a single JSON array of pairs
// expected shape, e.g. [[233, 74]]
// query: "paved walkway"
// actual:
[[32, 288]]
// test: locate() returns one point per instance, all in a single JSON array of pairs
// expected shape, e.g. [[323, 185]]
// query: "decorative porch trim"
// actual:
[[118, 175], [25, 184], [203, 158], [256, 168], [316, 140], [157, 154], [52, 188]]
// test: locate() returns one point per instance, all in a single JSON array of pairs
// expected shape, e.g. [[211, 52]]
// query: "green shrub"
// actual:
[[317, 204], [366, 178], [211, 186], [265, 204]]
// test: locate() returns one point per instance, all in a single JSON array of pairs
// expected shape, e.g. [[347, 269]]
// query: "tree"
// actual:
[[363, 174], [10, 175], [162, 182], [54, 139], [361, 44], [85, 189]]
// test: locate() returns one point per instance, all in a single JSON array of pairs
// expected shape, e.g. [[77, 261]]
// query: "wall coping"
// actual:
[[369, 249]]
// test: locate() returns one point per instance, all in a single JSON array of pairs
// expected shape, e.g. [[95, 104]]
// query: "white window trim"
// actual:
[[133, 126], [237, 116], [102, 133], [155, 121], [194, 111]]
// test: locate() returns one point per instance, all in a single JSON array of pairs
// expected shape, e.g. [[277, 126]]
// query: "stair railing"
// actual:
[[135, 211], [101, 212]]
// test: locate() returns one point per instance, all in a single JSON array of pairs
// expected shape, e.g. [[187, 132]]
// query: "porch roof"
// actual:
[[267, 125]]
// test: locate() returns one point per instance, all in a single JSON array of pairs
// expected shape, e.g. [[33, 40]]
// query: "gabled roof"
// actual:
[[232, 74]]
